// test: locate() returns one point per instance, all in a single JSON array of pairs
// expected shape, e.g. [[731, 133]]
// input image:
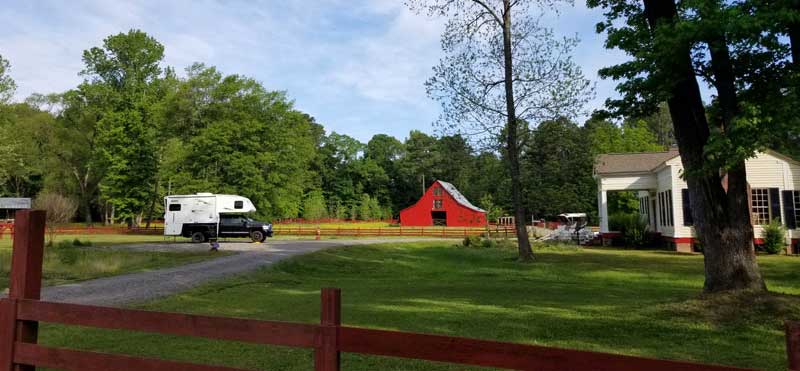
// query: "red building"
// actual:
[[442, 204]]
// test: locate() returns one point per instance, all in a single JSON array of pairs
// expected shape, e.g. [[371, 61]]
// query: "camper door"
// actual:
[[175, 215]]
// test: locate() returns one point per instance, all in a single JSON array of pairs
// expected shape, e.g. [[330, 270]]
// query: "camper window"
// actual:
[[238, 204], [174, 207]]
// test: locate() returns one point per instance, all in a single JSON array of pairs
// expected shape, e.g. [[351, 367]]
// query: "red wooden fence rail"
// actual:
[[21, 312]]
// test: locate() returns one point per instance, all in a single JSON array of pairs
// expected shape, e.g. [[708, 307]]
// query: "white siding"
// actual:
[[766, 171], [628, 183], [763, 171]]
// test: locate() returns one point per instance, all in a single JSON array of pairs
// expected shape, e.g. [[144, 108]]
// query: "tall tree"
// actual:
[[22, 138], [559, 165], [501, 67], [128, 67], [7, 85], [671, 44]]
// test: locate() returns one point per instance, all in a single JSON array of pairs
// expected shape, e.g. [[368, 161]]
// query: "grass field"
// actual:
[[95, 239], [631, 302], [63, 265]]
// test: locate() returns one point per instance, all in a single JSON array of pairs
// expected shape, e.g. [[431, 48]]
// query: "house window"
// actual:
[[238, 204], [437, 204], [761, 206], [174, 207], [437, 191], [644, 208], [796, 208], [665, 204], [669, 208]]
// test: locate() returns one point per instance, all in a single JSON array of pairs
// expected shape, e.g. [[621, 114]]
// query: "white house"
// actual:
[[774, 180]]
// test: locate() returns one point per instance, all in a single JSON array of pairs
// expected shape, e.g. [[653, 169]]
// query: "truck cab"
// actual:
[[235, 225]]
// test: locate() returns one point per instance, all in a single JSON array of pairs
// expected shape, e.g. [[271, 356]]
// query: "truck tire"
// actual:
[[198, 237], [257, 236]]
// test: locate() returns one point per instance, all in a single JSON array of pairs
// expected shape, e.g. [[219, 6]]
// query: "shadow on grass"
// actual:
[[630, 302]]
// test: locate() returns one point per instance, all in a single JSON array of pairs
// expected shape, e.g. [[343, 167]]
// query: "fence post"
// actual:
[[793, 345], [326, 356], [26, 272], [8, 321]]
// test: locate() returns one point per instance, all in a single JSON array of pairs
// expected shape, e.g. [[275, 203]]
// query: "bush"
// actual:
[[64, 245], [65, 252], [774, 237], [79, 243], [632, 227], [59, 210], [487, 243], [471, 241]]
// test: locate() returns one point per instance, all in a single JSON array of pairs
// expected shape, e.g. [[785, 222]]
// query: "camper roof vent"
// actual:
[[204, 194]]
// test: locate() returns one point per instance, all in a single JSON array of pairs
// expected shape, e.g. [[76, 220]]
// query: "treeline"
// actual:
[[134, 131]]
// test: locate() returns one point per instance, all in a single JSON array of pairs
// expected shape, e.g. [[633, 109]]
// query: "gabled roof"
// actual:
[[453, 191], [623, 163]]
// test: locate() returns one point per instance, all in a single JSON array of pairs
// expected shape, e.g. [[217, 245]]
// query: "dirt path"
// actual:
[[143, 286]]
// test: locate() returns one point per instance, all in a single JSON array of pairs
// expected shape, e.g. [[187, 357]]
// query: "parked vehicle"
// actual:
[[206, 216], [573, 228]]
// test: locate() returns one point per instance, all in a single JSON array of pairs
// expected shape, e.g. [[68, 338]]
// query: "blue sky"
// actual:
[[358, 66]]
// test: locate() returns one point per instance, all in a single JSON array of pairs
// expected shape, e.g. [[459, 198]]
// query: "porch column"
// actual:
[[602, 206]]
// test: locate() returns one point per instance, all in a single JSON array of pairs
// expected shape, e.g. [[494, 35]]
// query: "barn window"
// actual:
[[437, 191], [437, 204], [760, 206], [238, 204], [174, 207]]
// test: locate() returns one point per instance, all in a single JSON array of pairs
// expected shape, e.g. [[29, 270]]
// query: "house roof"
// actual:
[[453, 191], [622, 163]]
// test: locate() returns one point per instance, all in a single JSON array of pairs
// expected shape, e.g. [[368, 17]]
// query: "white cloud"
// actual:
[[393, 66]]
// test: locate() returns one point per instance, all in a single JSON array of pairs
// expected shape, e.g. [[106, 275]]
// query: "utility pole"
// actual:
[[423, 184]]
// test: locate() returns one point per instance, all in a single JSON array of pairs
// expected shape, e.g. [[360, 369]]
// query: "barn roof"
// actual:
[[619, 163], [453, 191]]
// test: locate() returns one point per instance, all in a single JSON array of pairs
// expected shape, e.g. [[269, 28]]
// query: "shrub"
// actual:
[[632, 227], [471, 241], [60, 210], [79, 243], [774, 237], [64, 245], [65, 252]]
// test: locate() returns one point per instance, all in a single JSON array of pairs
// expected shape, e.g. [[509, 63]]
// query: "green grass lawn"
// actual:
[[64, 265], [96, 239], [642, 303]]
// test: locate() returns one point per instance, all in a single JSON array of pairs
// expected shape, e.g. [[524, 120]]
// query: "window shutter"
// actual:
[[788, 209], [775, 203], [687, 208]]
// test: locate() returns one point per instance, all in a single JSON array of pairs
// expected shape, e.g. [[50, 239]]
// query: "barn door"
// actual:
[[439, 218]]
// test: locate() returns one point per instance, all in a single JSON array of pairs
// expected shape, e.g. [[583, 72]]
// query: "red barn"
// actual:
[[442, 204]]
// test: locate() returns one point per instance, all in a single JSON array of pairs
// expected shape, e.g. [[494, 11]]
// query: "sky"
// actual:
[[357, 66]]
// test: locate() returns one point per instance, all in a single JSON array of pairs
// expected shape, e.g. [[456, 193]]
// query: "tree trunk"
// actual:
[[525, 252], [721, 219], [86, 203], [152, 206]]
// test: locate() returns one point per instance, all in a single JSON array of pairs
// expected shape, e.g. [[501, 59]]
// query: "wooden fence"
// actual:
[[305, 230], [22, 311]]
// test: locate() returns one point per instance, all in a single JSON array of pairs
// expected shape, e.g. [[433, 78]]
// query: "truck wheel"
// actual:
[[257, 236], [198, 237]]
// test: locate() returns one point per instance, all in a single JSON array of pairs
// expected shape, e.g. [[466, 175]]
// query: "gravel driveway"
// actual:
[[143, 286]]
